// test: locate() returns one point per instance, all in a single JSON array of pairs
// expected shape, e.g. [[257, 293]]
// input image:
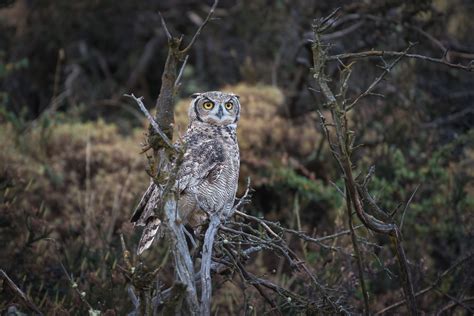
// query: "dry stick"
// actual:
[[71, 280], [206, 258], [177, 82], [164, 104], [360, 267], [164, 119], [246, 276], [433, 285], [182, 258], [456, 300], [198, 32], [319, 241], [387, 69], [292, 258], [343, 158], [206, 282], [382, 53], [456, 303], [153, 123], [19, 292], [219, 266], [266, 225], [406, 206]]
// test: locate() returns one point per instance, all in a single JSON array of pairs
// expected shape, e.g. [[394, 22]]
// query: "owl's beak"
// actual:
[[220, 112]]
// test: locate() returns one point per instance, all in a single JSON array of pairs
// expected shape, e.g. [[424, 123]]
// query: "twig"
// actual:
[[183, 263], [180, 74], [387, 69], [206, 282], [165, 28], [360, 266], [198, 32], [456, 301], [29, 303], [153, 123], [432, 286], [343, 157]]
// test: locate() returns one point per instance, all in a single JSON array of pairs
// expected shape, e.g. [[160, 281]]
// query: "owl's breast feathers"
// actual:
[[207, 178], [211, 166]]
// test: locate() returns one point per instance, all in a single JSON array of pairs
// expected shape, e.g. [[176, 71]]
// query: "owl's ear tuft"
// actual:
[[195, 95], [236, 96]]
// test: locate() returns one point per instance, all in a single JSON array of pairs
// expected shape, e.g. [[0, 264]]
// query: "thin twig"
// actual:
[[432, 286], [180, 74], [153, 123], [19, 292], [165, 27], [203, 24], [406, 206], [206, 281], [381, 53], [377, 80]]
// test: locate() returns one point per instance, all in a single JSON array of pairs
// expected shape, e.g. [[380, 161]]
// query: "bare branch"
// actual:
[[406, 206], [165, 27], [380, 53], [387, 69], [360, 265], [177, 82], [206, 282], [433, 285], [153, 123], [343, 157], [198, 32], [19, 292]]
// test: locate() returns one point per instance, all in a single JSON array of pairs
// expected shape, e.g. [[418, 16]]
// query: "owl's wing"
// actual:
[[203, 161]]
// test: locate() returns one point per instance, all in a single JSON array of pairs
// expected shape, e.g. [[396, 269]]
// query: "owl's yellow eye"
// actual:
[[229, 105], [208, 105]]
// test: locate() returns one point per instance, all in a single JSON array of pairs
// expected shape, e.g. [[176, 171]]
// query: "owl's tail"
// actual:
[[149, 233], [144, 216]]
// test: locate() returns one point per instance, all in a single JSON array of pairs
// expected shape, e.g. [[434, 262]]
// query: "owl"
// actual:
[[207, 177]]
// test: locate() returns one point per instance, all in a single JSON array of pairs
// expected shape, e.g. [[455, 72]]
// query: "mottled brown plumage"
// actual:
[[208, 175]]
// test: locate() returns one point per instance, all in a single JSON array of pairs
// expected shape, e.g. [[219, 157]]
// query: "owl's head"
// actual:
[[215, 108]]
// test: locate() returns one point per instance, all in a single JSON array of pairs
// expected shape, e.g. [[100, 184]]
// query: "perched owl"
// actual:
[[208, 175]]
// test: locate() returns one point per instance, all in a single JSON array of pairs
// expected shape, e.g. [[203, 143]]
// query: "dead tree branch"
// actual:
[[150, 118], [381, 53], [433, 285], [165, 154], [206, 282], [29, 303], [342, 151]]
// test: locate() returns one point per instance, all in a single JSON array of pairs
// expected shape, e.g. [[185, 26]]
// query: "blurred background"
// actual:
[[71, 169]]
